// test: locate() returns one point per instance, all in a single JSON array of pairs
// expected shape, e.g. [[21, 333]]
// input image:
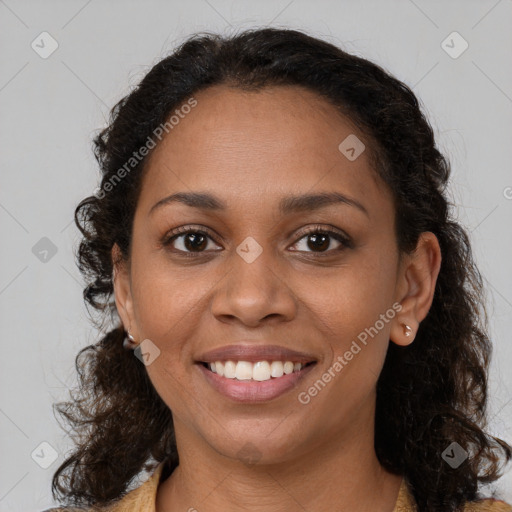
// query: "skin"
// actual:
[[250, 149]]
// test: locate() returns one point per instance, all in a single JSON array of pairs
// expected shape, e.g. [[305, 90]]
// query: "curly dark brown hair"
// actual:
[[429, 394]]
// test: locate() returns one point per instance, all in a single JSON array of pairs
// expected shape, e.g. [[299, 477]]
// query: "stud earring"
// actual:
[[407, 330], [129, 342]]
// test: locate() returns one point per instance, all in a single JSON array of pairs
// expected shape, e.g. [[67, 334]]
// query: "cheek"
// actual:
[[168, 307], [353, 298], [356, 317], [166, 300], [354, 309]]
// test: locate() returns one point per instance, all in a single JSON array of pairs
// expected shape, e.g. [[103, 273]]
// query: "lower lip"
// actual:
[[251, 390]]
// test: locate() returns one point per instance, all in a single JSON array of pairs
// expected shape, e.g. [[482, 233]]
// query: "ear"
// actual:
[[122, 291], [416, 286]]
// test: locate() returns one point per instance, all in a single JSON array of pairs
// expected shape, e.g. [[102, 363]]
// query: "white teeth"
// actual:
[[259, 371], [288, 367], [243, 370], [229, 369], [219, 367], [276, 369]]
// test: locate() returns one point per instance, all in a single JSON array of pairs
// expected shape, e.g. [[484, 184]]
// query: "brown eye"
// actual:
[[195, 241], [321, 241], [188, 240]]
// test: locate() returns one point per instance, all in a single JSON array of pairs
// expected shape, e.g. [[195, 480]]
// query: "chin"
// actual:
[[258, 448]]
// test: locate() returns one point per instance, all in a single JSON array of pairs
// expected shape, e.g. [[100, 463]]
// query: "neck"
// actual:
[[341, 473]]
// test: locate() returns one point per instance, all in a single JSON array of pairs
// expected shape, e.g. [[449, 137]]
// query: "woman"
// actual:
[[298, 320]]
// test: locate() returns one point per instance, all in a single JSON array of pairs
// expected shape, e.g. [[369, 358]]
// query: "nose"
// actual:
[[254, 292]]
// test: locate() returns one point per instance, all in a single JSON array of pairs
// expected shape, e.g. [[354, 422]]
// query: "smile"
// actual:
[[261, 381], [259, 371]]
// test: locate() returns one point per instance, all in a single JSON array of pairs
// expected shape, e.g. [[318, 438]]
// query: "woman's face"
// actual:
[[256, 278]]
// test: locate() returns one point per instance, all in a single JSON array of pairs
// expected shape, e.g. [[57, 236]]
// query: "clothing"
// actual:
[[143, 498]]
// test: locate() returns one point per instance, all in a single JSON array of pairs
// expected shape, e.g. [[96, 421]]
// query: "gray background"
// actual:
[[51, 108]]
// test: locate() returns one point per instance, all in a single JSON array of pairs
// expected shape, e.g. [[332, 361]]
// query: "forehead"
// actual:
[[246, 144]]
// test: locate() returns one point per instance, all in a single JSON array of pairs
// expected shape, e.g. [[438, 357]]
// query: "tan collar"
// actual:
[[405, 501], [143, 498]]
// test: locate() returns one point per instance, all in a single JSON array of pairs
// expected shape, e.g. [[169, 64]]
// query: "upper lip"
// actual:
[[254, 353]]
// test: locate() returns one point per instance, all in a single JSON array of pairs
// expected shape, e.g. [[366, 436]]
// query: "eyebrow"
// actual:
[[287, 205]]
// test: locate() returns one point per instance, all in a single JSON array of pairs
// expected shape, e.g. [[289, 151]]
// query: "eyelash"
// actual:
[[316, 229]]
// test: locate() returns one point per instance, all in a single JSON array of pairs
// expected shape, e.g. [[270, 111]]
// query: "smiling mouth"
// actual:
[[259, 371]]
